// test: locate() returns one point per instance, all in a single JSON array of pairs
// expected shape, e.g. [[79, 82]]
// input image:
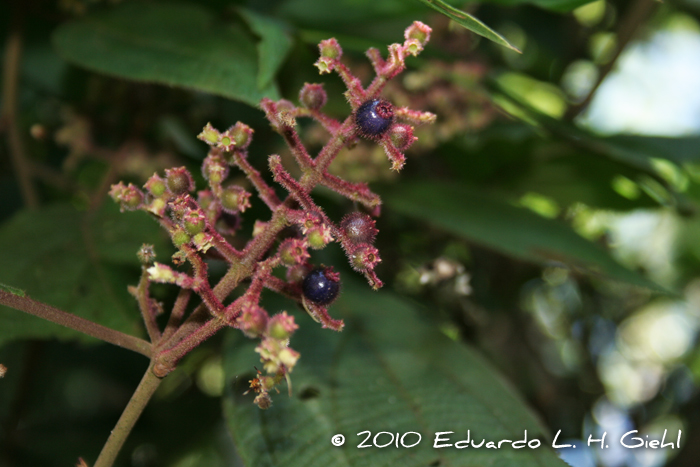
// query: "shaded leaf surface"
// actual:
[[176, 44], [273, 47], [387, 371], [514, 231], [80, 268]]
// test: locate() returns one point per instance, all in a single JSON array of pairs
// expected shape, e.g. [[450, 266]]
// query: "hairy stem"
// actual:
[[177, 313], [170, 357], [148, 385], [42, 310], [147, 312]]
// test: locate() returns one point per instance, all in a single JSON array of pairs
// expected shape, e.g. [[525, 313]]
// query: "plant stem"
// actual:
[[177, 313], [11, 67], [148, 385], [42, 310], [144, 299]]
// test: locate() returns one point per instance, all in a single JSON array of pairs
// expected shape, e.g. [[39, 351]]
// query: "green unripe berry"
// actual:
[[180, 237]]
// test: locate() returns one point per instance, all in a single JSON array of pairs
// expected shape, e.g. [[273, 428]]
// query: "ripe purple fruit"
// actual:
[[374, 117], [321, 286]]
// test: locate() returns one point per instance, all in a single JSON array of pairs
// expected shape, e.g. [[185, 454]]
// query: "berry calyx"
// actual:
[[374, 117], [402, 136], [179, 180], [321, 286], [358, 227], [313, 96]]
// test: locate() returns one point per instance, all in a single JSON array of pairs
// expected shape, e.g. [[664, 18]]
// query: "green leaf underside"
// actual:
[[81, 269], [387, 371], [468, 21], [505, 228], [273, 47], [176, 44]]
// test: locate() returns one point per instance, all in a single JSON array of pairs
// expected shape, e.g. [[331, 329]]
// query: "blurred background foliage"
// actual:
[[548, 220]]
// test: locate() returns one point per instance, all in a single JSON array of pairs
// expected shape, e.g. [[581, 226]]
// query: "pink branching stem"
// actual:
[[147, 309], [266, 193], [177, 314], [359, 192]]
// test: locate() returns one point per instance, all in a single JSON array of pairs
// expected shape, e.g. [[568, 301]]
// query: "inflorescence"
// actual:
[[200, 223]]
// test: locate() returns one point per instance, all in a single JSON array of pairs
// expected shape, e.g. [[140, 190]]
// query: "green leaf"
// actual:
[[389, 370], [508, 229], [176, 44], [13, 290], [83, 268], [468, 21], [679, 150], [275, 43], [346, 14], [561, 6]]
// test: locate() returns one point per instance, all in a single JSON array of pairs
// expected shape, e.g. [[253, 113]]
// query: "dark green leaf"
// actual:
[[273, 47], [391, 371], [79, 267], [322, 14], [514, 231], [176, 44], [555, 5], [468, 21], [679, 150]]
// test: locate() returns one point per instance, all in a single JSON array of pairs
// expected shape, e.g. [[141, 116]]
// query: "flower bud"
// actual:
[[146, 254], [155, 185], [263, 401], [194, 221], [252, 321], [401, 136], [418, 31], [209, 135], [358, 227], [180, 237], [179, 180], [235, 199], [281, 326], [364, 257], [330, 48], [293, 251], [129, 197], [214, 169], [325, 65], [319, 236], [241, 134], [313, 96], [413, 46], [202, 241], [288, 357]]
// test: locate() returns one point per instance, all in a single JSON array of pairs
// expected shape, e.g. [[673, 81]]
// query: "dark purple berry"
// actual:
[[374, 117], [358, 227], [321, 286]]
